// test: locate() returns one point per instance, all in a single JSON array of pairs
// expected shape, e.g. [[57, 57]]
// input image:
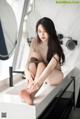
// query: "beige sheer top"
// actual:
[[41, 50]]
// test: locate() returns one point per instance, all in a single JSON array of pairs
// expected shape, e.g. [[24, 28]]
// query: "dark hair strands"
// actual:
[[54, 46]]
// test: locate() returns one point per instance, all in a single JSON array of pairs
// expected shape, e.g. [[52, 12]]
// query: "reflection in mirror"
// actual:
[[8, 30]]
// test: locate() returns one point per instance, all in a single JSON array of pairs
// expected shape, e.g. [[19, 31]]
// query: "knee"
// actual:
[[32, 65], [41, 64]]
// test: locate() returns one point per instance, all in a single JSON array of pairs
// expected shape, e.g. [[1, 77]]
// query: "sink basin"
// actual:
[[40, 95], [4, 84], [14, 107]]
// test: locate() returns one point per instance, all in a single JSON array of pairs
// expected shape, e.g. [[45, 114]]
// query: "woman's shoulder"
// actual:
[[33, 41]]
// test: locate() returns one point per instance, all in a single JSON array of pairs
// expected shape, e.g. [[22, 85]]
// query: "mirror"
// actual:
[[8, 30]]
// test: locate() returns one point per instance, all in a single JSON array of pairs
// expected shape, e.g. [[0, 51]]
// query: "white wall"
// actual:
[[67, 21], [66, 18]]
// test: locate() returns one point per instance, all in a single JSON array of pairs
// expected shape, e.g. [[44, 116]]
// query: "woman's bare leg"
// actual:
[[30, 72], [55, 77], [25, 94], [32, 68], [41, 66]]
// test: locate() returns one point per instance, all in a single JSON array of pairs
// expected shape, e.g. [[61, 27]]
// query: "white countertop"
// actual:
[[9, 99]]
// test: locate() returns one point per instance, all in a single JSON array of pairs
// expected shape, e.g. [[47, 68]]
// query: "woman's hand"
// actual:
[[34, 86]]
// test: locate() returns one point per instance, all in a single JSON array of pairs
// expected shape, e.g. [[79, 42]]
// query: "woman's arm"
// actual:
[[50, 67]]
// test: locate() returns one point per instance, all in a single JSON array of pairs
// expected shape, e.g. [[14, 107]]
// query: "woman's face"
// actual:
[[43, 35]]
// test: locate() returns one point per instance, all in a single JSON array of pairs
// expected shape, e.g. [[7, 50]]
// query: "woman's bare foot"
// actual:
[[26, 97]]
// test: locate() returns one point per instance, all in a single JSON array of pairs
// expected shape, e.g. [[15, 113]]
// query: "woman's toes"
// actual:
[[26, 97]]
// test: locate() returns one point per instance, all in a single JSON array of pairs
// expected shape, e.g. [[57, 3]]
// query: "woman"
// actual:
[[45, 60]]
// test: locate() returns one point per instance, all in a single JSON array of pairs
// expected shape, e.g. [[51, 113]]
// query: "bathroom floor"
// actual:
[[75, 114]]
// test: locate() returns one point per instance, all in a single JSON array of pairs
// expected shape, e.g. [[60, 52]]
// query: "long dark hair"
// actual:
[[54, 46]]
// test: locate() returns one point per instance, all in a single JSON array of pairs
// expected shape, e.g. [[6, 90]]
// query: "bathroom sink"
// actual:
[[40, 95], [14, 107], [17, 87], [4, 84]]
